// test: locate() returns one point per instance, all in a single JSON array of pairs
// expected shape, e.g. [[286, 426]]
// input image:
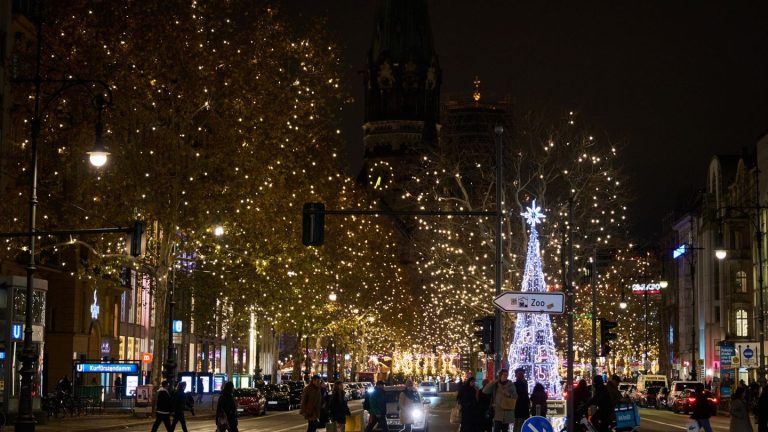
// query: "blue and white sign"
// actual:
[[17, 331], [130, 368], [748, 353], [177, 326], [537, 424], [680, 251]]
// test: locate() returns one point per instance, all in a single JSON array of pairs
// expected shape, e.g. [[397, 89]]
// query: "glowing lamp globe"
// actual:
[[721, 254], [623, 304], [98, 157], [332, 296], [663, 284], [218, 231]]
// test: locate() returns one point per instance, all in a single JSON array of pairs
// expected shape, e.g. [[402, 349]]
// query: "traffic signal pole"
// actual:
[[499, 261], [570, 406]]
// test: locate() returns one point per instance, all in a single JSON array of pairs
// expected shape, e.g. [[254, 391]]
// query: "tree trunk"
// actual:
[[160, 296]]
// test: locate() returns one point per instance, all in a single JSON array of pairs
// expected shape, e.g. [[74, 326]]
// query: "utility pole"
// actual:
[[499, 130], [569, 289], [594, 311]]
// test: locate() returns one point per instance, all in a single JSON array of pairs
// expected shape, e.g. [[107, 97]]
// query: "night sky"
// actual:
[[672, 82]]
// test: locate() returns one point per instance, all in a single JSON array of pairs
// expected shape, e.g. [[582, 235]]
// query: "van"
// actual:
[[645, 381], [678, 387]]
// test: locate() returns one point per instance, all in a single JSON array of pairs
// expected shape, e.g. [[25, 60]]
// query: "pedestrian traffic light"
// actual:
[[485, 333], [313, 224], [606, 336]]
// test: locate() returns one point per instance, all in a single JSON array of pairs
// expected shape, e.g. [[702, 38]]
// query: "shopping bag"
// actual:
[[330, 427], [354, 422], [456, 414], [692, 426]]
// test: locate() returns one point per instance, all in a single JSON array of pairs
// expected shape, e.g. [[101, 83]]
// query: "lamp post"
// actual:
[[26, 420], [169, 366]]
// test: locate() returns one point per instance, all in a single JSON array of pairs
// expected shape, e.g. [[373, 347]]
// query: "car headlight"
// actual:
[[370, 390], [417, 413]]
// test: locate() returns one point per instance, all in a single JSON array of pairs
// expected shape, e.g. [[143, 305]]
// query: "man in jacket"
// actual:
[[180, 399], [522, 408], [163, 408], [311, 401], [503, 396], [377, 408]]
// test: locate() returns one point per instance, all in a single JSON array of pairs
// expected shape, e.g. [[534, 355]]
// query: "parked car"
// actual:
[[420, 411], [278, 396], [626, 389], [647, 398], [295, 390], [685, 401], [349, 391], [358, 391], [250, 401], [678, 387], [428, 388], [662, 398]]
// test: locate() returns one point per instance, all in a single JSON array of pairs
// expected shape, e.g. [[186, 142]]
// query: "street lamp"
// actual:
[[26, 419]]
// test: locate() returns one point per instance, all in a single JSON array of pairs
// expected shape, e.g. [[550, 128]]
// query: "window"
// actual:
[[741, 282], [742, 323]]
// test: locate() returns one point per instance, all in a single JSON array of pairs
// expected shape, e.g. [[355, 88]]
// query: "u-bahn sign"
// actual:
[[538, 302]]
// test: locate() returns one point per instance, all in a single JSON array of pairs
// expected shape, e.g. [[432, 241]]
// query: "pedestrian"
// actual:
[[226, 409], [504, 399], [539, 400], [523, 405], [762, 410], [163, 408], [484, 409], [471, 420], [118, 387], [581, 395], [613, 389], [601, 419], [179, 406], [754, 393], [407, 401], [702, 411], [339, 410], [377, 408], [311, 403], [200, 388], [63, 388], [740, 412]]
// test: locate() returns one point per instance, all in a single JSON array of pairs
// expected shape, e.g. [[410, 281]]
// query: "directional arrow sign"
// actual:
[[519, 301]]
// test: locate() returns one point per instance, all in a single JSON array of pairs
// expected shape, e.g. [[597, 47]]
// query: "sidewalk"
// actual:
[[110, 421]]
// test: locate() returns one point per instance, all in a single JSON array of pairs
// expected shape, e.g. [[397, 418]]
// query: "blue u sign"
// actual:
[[17, 332], [177, 326], [537, 424]]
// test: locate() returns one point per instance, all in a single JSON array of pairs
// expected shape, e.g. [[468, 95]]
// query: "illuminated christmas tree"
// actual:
[[533, 347]]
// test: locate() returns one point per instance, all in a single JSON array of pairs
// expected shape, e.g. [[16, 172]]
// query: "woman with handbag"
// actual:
[[226, 409], [339, 410], [504, 399]]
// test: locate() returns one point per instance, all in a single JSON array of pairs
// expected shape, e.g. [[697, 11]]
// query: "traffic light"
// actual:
[[137, 240], [485, 334], [313, 224], [606, 336]]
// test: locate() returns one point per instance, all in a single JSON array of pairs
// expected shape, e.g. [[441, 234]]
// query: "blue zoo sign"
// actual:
[[748, 353], [17, 332], [177, 326], [537, 424], [130, 368]]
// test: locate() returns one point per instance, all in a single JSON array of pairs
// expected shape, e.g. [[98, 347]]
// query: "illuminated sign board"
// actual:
[[649, 288], [177, 326], [680, 251], [146, 357], [95, 307], [17, 332], [130, 368]]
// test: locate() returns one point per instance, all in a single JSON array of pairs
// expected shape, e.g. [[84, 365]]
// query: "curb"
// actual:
[[148, 421]]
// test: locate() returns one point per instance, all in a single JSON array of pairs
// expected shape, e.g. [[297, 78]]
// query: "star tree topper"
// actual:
[[533, 214]]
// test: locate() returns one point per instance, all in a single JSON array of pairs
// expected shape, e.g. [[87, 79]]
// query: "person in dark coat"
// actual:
[[338, 408], [227, 407], [539, 401], [702, 411], [484, 409], [199, 389], [470, 409], [581, 395], [377, 409], [523, 406], [762, 410], [163, 408], [118, 387], [179, 406], [601, 419]]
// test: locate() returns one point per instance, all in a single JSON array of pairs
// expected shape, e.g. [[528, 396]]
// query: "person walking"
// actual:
[[581, 395], [523, 405], [740, 412], [467, 398], [339, 410], [179, 406], [163, 408], [199, 389], [539, 401], [504, 399], [702, 411], [762, 410], [118, 387], [484, 409], [377, 408], [408, 399], [601, 419], [226, 409], [311, 403]]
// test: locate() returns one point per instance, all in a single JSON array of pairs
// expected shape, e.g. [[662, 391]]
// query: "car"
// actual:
[[295, 390], [678, 387], [662, 398], [428, 388], [685, 401], [358, 391], [626, 389], [349, 391], [647, 398], [420, 411], [278, 396], [250, 401]]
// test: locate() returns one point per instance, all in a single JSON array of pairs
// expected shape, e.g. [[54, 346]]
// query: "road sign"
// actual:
[[748, 353], [537, 424], [520, 301]]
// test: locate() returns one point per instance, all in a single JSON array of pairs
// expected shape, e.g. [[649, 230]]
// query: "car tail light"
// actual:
[[691, 400]]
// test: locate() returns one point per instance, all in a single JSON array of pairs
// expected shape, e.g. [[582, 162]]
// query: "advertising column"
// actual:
[[727, 352]]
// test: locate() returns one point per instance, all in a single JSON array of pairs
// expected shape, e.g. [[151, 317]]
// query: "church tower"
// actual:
[[402, 94]]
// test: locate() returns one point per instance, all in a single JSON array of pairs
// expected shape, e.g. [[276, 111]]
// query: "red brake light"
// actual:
[[691, 400]]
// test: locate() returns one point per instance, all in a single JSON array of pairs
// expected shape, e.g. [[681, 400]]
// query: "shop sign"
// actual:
[[646, 288], [146, 357], [105, 348]]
